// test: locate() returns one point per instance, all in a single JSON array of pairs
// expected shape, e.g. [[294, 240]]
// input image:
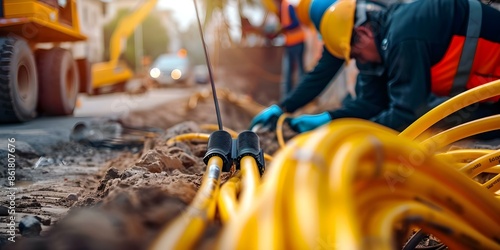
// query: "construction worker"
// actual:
[[442, 47], [314, 82], [293, 57]]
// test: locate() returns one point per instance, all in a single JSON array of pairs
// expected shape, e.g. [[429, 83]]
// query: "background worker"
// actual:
[[293, 58], [315, 81]]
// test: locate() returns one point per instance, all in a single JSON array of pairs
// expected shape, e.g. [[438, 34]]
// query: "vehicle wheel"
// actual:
[[18, 81], [59, 81], [84, 71]]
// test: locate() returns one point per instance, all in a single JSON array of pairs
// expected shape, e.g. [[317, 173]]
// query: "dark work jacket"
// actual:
[[412, 39]]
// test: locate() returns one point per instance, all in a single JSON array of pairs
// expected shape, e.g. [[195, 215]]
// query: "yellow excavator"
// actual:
[[36, 80], [114, 71], [47, 81]]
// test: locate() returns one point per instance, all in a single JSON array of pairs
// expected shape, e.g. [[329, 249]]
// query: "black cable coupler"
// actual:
[[248, 145], [220, 144]]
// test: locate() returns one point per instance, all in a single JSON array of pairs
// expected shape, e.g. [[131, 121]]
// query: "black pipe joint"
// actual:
[[248, 145], [220, 144]]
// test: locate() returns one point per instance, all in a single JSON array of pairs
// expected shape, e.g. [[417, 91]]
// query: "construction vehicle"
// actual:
[[36, 80], [114, 71]]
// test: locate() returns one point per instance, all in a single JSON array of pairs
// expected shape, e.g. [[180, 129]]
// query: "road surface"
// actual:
[[38, 135]]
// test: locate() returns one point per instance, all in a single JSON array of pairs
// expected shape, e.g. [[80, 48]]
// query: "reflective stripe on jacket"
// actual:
[[293, 35], [470, 60]]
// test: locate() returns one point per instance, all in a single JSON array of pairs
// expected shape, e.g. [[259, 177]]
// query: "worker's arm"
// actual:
[[313, 83], [408, 84], [371, 98], [294, 21]]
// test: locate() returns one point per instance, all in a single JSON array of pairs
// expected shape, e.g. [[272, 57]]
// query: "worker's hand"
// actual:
[[304, 123], [267, 117]]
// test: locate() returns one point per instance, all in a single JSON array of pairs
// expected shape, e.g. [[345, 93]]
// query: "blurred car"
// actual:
[[201, 75], [170, 68]]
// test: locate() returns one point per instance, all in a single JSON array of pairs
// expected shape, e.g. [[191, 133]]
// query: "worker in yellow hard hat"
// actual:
[[310, 13], [409, 53]]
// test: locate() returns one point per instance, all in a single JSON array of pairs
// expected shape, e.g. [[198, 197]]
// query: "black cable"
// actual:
[[414, 240], [209, 65]]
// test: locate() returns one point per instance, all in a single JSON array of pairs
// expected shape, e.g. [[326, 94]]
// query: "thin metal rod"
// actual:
[[209, 65]]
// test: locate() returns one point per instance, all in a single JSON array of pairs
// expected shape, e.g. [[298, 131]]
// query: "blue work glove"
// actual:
[[267, 117], [305, 123]]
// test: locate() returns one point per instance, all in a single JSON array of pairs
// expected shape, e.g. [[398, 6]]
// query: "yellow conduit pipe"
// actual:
[[493, 185], [188, 137], [186, 230], [250, 179], [457, 102], [279, 130], [493, 170], [263, 216], [465, 130], [341, 178], [480, 164], [434, 221], [245, 181], [463, 155], [227, 201], [420, 187], [268, 200]]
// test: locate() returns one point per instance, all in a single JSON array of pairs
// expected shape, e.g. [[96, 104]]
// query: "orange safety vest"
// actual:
[[293, 36], [470, 60]]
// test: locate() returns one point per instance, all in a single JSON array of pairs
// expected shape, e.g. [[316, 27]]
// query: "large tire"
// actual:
[[85, 72], [59, 81], [18, 81]]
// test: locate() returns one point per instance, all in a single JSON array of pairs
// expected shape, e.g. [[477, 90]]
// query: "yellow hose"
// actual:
[[493, 184], [462, 131], [250, 179], [431, 220], [480, 164], [184, 231], [462, 100], [279, 130], [188, 137], [227, 202], [463, 155]]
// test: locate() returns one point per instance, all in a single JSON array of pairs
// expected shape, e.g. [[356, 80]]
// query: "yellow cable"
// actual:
[[480, 164], [463, 155], [279, 130], [188, 137], [227, 203], [185, 230], [462, 131], [462, 100], [250, 179], [431, 220], [493, 184]]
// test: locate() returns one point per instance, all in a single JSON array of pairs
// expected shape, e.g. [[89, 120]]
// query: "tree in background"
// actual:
[[154, 37]]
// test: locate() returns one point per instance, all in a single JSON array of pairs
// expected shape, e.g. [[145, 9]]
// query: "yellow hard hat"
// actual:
[[303, 12], [336, 28], [270, 5]]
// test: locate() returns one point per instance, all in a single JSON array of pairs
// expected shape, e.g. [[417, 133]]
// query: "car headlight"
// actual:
[[176, 74], [155, 72]]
